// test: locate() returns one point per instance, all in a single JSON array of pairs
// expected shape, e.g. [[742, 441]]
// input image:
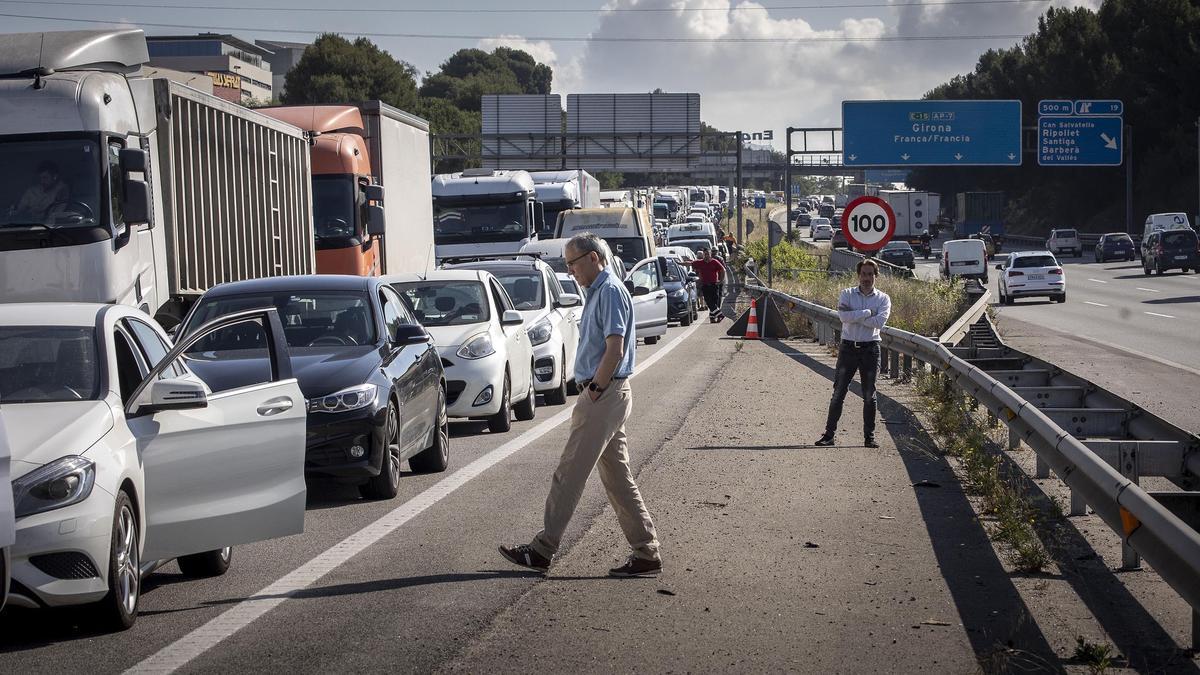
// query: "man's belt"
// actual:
[[584, 383], [859, 344]]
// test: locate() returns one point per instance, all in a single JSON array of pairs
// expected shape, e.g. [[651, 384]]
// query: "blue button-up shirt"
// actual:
[[866, 314], [608, 311]]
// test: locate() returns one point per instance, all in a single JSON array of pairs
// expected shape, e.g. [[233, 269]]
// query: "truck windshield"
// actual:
[[50, 189], [631, 250], [334, 209], [552, 210], [479, 223], [44, 364]]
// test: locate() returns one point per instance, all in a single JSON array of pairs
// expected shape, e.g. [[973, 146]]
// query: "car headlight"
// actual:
[[477, 347], [678, 294], [60, 483], [540, 332], [351, 398]]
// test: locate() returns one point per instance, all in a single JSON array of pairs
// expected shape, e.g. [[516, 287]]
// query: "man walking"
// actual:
[[711, 271], [863, 310], [603, 364]]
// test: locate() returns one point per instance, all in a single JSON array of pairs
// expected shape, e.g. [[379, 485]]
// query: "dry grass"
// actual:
[[921, 307]]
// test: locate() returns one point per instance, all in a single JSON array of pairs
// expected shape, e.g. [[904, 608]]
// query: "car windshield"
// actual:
[[524, 288], [674, 273], [50, 183], [310, 319], [569, 286], [45, 364], [1035, 261], [473, 223], [697, 245], [1179, 238], [446, 303]]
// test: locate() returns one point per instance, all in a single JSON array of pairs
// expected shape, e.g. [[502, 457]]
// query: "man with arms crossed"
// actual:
[[603, 364], [863, 310]]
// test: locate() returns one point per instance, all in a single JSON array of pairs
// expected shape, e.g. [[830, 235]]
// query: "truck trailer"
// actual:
[[121, 188], [372, 202], [914, 213], [979, 213]]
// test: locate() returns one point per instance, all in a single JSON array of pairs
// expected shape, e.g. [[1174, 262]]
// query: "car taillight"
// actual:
[[1014, 273], [1158, 249], [1056, 270]]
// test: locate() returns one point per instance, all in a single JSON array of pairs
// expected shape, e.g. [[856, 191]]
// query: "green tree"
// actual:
[[471, 73], [335, 70]]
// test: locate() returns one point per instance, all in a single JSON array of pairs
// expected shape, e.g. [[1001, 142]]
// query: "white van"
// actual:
[[1157, 222], [965, 258], [701, 229], [628, 231]]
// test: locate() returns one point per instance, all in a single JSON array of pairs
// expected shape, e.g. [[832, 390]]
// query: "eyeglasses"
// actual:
[[577, 258]]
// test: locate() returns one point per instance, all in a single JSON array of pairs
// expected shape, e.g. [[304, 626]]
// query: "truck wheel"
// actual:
[[207, 564]]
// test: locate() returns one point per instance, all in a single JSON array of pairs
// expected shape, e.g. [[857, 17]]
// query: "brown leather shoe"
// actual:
[[637, 567]]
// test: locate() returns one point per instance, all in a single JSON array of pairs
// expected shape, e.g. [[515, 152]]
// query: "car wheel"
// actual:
[[525, 410], [436, 457], [652, 339], [1129, 259], [686, 319], [387, 483], [1145, 270], [1183, 270], [1158, 271], [118, 610], [558, 395], [502, 420], [207, 564], [1061, 298]]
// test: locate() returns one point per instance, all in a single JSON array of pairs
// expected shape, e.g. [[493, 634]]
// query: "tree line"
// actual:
[[1143, 52]]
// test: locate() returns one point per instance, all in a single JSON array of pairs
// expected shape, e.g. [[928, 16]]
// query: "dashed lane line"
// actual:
[[1148, 290], [1099, 281], [1096, 304], [1165, 316], [181, 652]]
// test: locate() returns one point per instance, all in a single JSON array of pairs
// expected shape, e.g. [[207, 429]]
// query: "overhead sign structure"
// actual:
[[868, 223], [931, 133], [1080, 133]]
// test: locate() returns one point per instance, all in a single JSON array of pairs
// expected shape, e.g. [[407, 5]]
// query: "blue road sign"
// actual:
[[760, 202], [931, 133], [1056, 107], [1079, 141], [1097, 108]]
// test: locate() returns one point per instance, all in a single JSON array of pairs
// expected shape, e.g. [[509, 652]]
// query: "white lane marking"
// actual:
[[1148, 290], [184, 650], [1099, 281], [1112, 345], [1089, 302], [1165, 316]]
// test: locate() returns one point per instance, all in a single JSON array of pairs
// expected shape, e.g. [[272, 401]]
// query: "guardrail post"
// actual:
[[1128, 466], [1043, 468], [895, 365], [908, 367], [1014, 442], [1195, 629], [1078, 506]]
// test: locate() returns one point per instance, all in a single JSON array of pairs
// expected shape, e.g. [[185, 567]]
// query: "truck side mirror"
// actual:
[[134, 159], [373, 192], [539, 216], [136, 206], [376, 221]]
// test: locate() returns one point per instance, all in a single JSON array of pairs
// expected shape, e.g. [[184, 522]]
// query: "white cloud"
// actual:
[[756, 86]]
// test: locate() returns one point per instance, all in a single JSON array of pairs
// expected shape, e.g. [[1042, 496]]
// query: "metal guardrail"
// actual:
[[1030, 398]]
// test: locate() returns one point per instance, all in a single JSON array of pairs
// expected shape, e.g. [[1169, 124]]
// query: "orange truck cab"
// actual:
[[348, 218]]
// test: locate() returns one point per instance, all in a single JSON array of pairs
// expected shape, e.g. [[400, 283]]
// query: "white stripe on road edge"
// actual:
[[1148, 290], [182, 651], [1127, 350], [1089, 302], [1165, 316], [1098, 281]]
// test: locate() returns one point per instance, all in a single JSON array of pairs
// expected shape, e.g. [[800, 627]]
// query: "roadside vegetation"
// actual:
[[961, 433]]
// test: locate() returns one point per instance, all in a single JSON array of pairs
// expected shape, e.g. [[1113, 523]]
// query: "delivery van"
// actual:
[[965, 258]]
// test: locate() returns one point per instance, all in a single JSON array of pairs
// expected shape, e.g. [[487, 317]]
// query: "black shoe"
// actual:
[[870, 442], [825, 441], [525, 556], [637, 567]]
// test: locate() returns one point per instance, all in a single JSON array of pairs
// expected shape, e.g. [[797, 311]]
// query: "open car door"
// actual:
[[226, 468], [645, 284]]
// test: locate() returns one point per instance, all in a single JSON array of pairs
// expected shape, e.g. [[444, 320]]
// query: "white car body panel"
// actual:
[[8, 525], [1033, 281], [650, 310], [178, 481]]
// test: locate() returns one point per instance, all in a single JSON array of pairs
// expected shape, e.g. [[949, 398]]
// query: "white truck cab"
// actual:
[[483, 212]]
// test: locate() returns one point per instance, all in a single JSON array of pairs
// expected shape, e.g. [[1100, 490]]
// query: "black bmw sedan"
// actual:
[[371, 374]]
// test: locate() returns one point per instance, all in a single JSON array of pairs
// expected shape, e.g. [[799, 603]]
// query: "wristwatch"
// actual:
[[596, 388]]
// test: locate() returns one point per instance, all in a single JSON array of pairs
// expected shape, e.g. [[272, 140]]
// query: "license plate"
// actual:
[[1181, 257], [1037, 277], [960, 263]]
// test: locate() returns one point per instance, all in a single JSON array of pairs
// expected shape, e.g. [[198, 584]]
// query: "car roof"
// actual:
[[82, 314], [1026, 254], [438, 275], [501, 265], [304, 282]]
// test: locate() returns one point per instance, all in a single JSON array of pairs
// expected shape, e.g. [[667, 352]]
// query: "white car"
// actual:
[[645, 284], [821, 229], [8, 525], [1064, 241], [486, 352], [122, 458], [1028, 274], [682, 253], [550, 320]]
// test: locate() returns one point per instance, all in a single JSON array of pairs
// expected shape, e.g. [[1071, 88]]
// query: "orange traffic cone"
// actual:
[[752, 322]]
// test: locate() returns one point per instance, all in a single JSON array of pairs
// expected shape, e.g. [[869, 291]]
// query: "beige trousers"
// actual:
[[598, 437]]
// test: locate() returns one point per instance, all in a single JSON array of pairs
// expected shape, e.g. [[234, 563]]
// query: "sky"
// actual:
[[757, 65]]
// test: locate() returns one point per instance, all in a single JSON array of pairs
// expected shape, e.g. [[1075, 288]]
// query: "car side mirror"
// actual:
[[410, 334], [639, 290], [376, 221], [511, 317], [692, 276], [1000, 267], [176, 394], [568, 300]]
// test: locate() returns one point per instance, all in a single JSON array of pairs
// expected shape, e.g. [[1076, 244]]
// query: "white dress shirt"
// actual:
[[867, 314]]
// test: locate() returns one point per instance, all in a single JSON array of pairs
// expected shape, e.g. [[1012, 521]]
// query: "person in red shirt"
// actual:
[[711, 272]]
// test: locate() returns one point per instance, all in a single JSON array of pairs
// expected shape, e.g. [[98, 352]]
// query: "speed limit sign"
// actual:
[[868, 223]]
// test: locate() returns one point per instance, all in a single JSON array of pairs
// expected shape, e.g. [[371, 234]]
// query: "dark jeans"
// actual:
[[865, 360], [712, 297]]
